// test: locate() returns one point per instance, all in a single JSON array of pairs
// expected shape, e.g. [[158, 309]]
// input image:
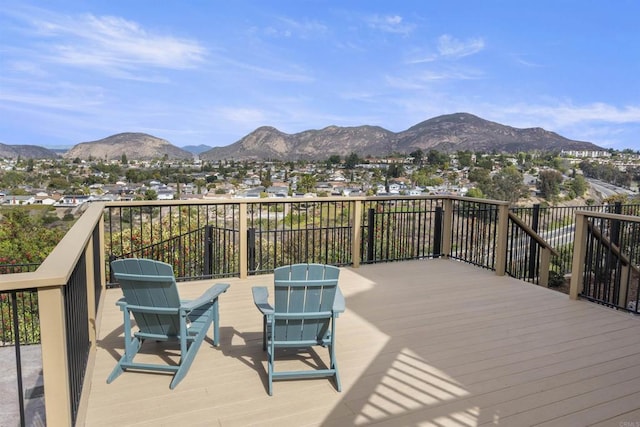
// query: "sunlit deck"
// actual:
[[432, 342]]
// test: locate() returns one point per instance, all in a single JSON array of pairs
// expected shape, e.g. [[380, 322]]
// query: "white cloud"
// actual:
[[240, 116], [426, 78], [565, 114], [451, 47], [390, 24], [306, 29], [111, 44]]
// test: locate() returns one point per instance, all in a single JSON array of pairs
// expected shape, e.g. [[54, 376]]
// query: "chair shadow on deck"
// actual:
[[251, 354], [166, 351], [151, 298]]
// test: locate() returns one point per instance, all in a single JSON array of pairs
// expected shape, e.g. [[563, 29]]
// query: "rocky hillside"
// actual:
[[139, 146], [453, 132], [269, 143], [464, 131], [26, 152]]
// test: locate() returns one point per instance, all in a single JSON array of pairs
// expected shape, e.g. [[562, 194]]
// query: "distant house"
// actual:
[[72, 201], [165, 193], [19, 200], [585, 153], [45, 199]]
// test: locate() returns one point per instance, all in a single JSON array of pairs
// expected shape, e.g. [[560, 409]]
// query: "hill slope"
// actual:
[[140, 146], [448, 133], [464, 131], [26, 152]]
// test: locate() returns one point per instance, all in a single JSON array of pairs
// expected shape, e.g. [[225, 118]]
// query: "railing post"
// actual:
[[447, 227], [208, 250], [371, 233], [13, 295], [91, 292], [356, 233], [502, 239], [242, 241], [251, 249], [533, 246], [55, 370], [579, 252], [437, 233], [625, 277], [545, 261]]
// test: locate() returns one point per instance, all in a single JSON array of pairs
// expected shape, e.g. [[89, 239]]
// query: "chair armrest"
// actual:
[[339, 305], [261, 299], [149, 309], [209, 296], [126, 307]]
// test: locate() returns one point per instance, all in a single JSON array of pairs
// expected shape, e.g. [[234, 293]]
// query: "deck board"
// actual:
[[432, 342]]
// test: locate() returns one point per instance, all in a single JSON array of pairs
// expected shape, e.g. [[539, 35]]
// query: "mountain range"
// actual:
[[139, 146], [448, 133], [26, 152]]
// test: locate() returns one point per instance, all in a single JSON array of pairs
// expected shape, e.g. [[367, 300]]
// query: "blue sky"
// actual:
[[210, 71]]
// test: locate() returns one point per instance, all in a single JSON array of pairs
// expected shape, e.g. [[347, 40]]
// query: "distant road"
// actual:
[[607, 189]]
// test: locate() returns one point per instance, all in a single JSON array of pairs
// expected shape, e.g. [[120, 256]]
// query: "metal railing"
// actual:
[[606, 260], [67, 300], [395, 229], [528, 254], [281, 233], [199, 240], [203, 239], [19, 326], [556, 225], [474, 233]]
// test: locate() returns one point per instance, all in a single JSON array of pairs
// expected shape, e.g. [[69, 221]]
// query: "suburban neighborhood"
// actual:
[[67, 185]]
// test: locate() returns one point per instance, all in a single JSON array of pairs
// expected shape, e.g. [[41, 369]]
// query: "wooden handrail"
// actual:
[[615, 249], [532, 233]]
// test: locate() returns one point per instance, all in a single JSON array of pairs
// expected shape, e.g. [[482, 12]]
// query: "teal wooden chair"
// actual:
[[307, 301], [151, 296]]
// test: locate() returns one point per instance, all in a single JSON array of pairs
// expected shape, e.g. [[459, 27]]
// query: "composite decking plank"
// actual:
[[430, 342], [629, 418], [571, 408]]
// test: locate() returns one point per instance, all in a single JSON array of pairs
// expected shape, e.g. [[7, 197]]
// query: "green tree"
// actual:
[[266, 179], [150, 195], [475, 193], [395, 170], [464, 158], [480, 176], [351, 161], [578, 185], [507, 185], [307, 183], [418, 157], [549, 183], [334, 159], [441, 160], [24, 238]]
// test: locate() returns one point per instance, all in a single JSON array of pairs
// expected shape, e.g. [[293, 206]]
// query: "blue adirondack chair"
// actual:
[[151, 296], [307, 301]]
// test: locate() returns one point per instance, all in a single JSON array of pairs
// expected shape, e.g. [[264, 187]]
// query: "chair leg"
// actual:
[[334, 366], [130, 350], [270, 367], [264, 333], [216, 323]]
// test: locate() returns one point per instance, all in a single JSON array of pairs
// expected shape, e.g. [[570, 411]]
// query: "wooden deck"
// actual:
[[429, 343]]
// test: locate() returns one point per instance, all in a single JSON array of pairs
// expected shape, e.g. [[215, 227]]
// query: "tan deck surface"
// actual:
[[428, 343]]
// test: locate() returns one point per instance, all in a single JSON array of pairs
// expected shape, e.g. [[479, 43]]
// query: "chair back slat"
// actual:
[[153, 286], [299, 289]]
